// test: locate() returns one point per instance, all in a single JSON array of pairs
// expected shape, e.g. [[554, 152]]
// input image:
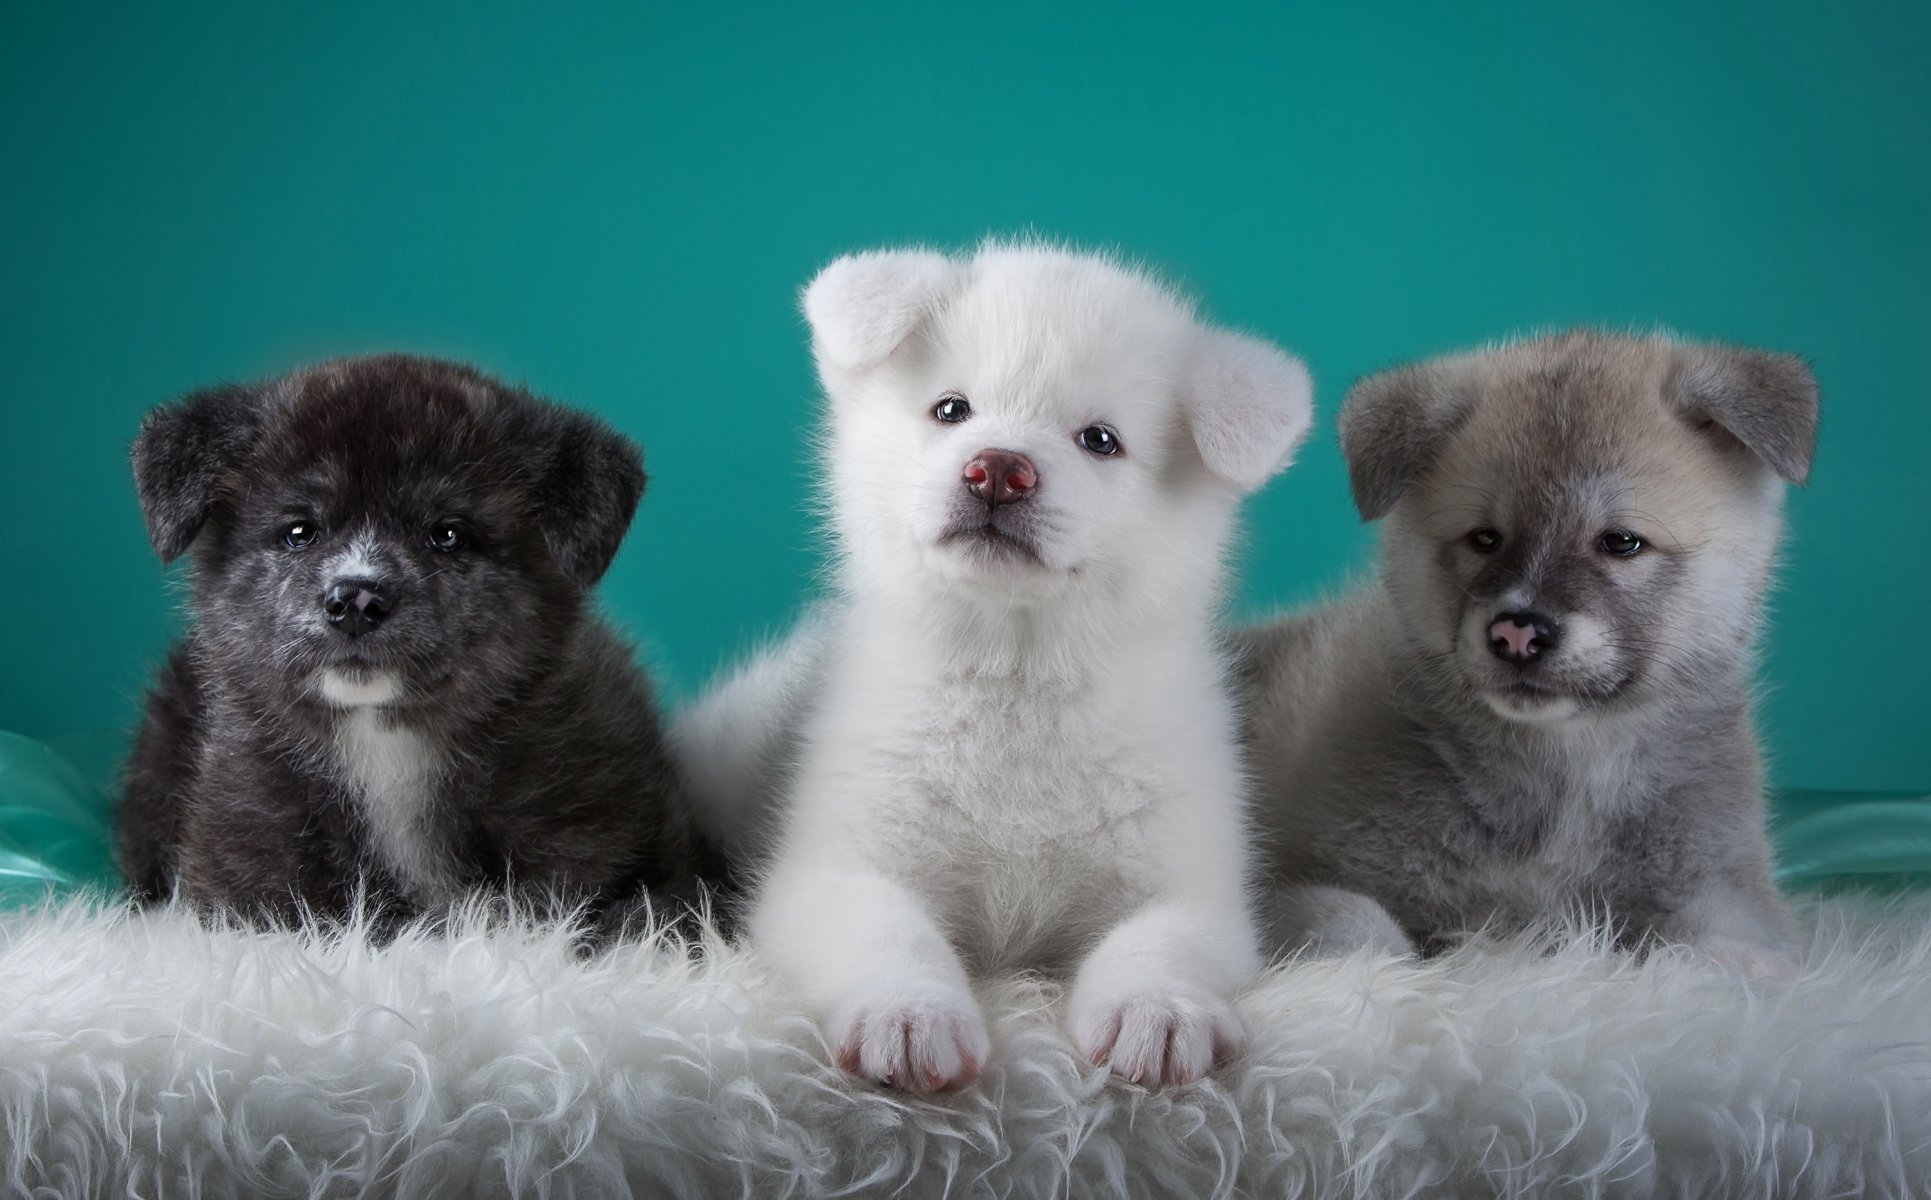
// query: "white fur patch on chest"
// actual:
[[393, 772], [1021, 818], [1031, 770], [345, 691]]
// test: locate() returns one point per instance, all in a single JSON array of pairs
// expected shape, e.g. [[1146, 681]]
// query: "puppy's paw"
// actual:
[[1758, 963], [919, 1037], [1157, 1037]]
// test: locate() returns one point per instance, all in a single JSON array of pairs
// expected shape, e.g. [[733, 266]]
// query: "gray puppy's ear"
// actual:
[[590, 481], [863, 306], [1393, 425], [184, 454], [1248, 406], [1764, 400]]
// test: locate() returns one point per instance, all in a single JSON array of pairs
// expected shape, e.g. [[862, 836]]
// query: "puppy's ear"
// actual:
[[1393, 425], [1764, 400], [1248, 406], [590, 482], [183, 454], [863, 306]]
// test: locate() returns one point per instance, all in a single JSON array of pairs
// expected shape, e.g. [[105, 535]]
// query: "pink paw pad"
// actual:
[[1159, 1040], [919, 1044]]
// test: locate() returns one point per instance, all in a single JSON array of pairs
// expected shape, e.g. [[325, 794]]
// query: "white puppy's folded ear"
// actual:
[[1764, 400], [863, 306], [1248, 405]]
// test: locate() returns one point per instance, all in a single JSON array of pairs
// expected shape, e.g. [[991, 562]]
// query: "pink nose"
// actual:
[[1000, 476], [1519, 637]]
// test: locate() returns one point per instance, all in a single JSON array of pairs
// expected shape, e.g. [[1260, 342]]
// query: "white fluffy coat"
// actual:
[[1010, 758]]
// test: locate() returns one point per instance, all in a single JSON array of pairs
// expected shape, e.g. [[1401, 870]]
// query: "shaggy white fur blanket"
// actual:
[[152, 1055]]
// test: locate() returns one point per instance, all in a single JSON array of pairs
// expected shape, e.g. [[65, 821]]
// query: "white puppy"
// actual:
[[1008, 745]]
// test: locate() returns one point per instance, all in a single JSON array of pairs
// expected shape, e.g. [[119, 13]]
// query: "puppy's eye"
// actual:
[[1485, 541], [1620, 542], [298, 535], [1099, 439], [951, 409], [446, 538]]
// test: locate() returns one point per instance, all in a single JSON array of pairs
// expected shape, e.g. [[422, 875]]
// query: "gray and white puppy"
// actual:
[[394, 682], [1542, 707]]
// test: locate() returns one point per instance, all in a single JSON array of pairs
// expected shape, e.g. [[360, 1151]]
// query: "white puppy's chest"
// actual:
[[393, 773], [1025, 820], [1018, 769]]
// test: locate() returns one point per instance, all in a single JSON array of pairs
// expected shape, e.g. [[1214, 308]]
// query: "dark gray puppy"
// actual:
[[394, 680], [1542, 706]]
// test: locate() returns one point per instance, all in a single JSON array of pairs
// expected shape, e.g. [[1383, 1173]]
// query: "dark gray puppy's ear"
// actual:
[[590, 482], [183, 454], [1394, 424], [1766, 401], [863, 306]]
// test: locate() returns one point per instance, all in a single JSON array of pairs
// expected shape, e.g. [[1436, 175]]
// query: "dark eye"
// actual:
[[446, 538], [1620, 542], [298, 535], [1099, 439], [951, 409], [1485, 541]]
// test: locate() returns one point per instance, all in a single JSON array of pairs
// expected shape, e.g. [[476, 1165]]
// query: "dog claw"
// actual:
[[1153, 1040], [919, 1043]]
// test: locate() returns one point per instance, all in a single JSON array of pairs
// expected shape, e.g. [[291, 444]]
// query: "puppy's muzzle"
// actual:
[[356, 606], [1000, 477], [1523, 637]]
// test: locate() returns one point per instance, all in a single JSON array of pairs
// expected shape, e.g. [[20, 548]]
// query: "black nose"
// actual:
[[355, 606], [1000, 476], [1519, 637]]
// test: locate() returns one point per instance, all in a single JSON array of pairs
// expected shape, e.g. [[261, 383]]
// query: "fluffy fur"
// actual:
[[151, 1053], [1620, 495], [1011, 742], [489, 730]]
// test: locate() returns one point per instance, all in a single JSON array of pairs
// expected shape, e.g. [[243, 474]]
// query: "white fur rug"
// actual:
[[149, 1055]]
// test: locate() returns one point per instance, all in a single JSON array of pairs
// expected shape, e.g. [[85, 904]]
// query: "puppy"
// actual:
[[393, 680], [1543, 705], [1006, 744]]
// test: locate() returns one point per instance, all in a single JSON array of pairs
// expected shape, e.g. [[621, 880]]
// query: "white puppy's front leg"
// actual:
[[1151, 999], [873, 964]]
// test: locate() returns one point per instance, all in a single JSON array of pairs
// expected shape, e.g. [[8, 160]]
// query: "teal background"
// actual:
[[617, 203]]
